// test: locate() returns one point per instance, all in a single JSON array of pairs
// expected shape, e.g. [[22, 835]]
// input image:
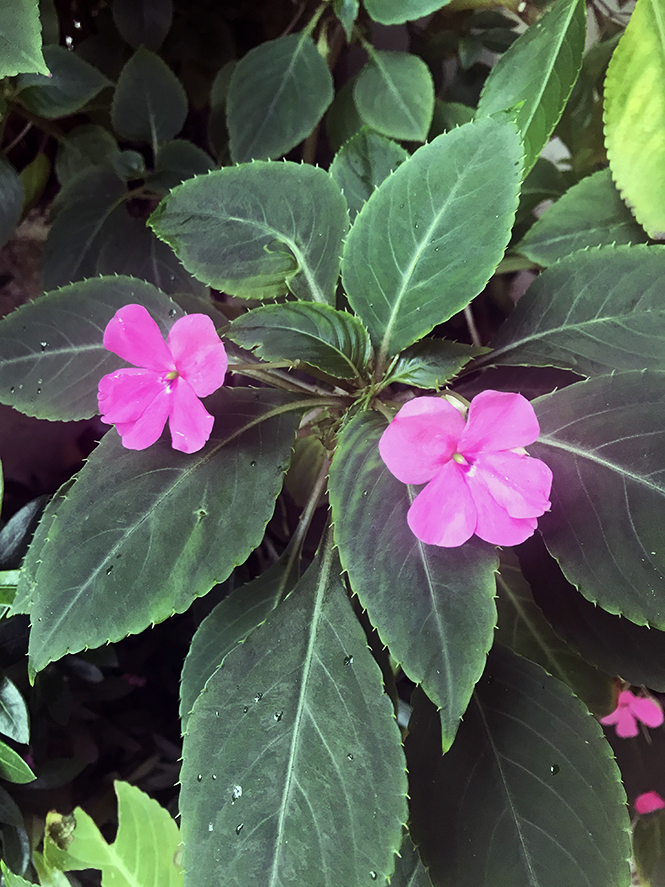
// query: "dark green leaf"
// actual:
[[396, 12], [431, 362], [409, 870], [52, 353], [293, 771], [449, 115], [544, 182], [535, 77], [342, 119], [13, 713], [648, 844], [347, 13], [394, 94], [83, 147], [10, 812], [604, 439], [12, 766], [149, 104], [144, 22], [182, 523], [258, 231], [430, 236], [528, 795], [72, 83], [177, 161], [128, 165], [11, 204], [334, 341], [362, 164], [432, 607], [34, 178], [20, 39], [591, 313], [218, 134]]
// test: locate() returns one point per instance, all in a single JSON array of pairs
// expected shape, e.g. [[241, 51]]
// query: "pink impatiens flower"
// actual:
[[170, 378], [648, 802], [632, 709], [479, 478]]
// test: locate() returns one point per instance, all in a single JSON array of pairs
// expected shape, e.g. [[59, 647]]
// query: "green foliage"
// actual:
[[431, 362], [648, 842], [143, 22], [409, 870], [347, 13], [177, 161], [13, 713], [12, 200], [71, 84], [83, 147], [12, 766], [12, 880], [396, 12], [20, 39]]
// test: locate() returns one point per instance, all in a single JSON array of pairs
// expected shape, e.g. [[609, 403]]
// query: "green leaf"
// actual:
[[529, 794], [648, 843], [20, 39], [12, 766], [177, 161], [430, 363], [143, 22], [293, 771], [10, 812], [258, 231], [342, 119], [145, 850], [277, 94], [149, 104], [92, 207], [52, 351], [229, 624], [13, 713], [635, 116], [592, 313], [11, 189], [182, 523], [13, 880], [83, 147], [432, 607], [334, 341], [409, 870], [544, 182], [534, 78], [524, 629], [71, 84], [394, 94], [449, 115], [362, 164], [34, 178], [347, 13], [428, 239], [218, 134], [396, 12], [589, 214], [604, 440]]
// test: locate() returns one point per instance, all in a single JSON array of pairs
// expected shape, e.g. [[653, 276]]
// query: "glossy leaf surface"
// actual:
[[12, 766], [13, 713], [396, 12]]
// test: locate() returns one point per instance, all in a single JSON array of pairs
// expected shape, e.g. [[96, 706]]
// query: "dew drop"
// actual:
[[239, 828], [258, 697], [20, 387], [12, 389], [173, 312], [416, 225], [109, 570], [245, 710], [39, 391], [373, 876], [278, 715], [210, 826], [236, 792], [349, 757], [199, 778], [348, 660], [252, 464], [554, 769], [43, 345], [40, 381], [365, 493], [214, 777]]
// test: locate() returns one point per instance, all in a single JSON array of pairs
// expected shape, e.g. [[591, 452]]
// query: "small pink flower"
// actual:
[[479, 478], [648, 803], [171, 377], [632, 709]]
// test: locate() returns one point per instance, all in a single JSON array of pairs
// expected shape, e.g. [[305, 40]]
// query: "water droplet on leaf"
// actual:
[[252, 464], [199, 777], [245, 710], [349, 757], [236, 792], [365, 493], [348, 660], [43, 345], [258, 697], [554, 769], [239, 828], [278, 715], [373, 876], [173, 312], [109, 570]]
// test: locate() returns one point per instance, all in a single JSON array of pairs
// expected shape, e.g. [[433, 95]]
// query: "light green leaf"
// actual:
[[11, 205], [592, 313], [20, 39], [182, 523], [430, 236], [589, 214], [258, 231], [635, 115], [277, 94], [52, 350], [536, 75], [83, 147], [293, 771], [431, 362], [334, 341], [12, 766], [149, 104], [432, 607], [13, 712], [72, 83], [362, 164], [143, 22], [347, 13], [394, 94], [13, 880], [396, 12]]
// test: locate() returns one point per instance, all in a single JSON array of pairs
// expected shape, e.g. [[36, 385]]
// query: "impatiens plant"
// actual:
[[425, 508]]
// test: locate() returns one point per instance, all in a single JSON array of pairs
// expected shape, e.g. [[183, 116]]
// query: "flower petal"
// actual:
[[648, 802], [190, 422], [499, 420], [133, 335], [200, 356], [147, 428], [626, 725], [420, 439], [494, 524], [124, 395], [646, 710], [520, 484], [443, 513]]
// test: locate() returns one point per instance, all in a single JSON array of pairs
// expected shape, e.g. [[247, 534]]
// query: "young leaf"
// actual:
[[635, 116], [591, 213], [53, 354], [362, 164], [394, 94], [143, 22], [431, 362], [430, 236], [12, 766], [13, 713], [347, 13], [83, 147], [277, 94], [12, 880], [72, 83], [20, 39], [593, 312], [258, 231], [11, 205], [396, 12], [334, 341], [149, 104], [432, 607], [293, 771], [605, 442], [528, 794], [169, 509], [535, 77]]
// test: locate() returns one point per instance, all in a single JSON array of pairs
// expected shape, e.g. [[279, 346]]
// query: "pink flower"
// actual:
[[648, 802], [632, 709], [479, 478], [171, 377]]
